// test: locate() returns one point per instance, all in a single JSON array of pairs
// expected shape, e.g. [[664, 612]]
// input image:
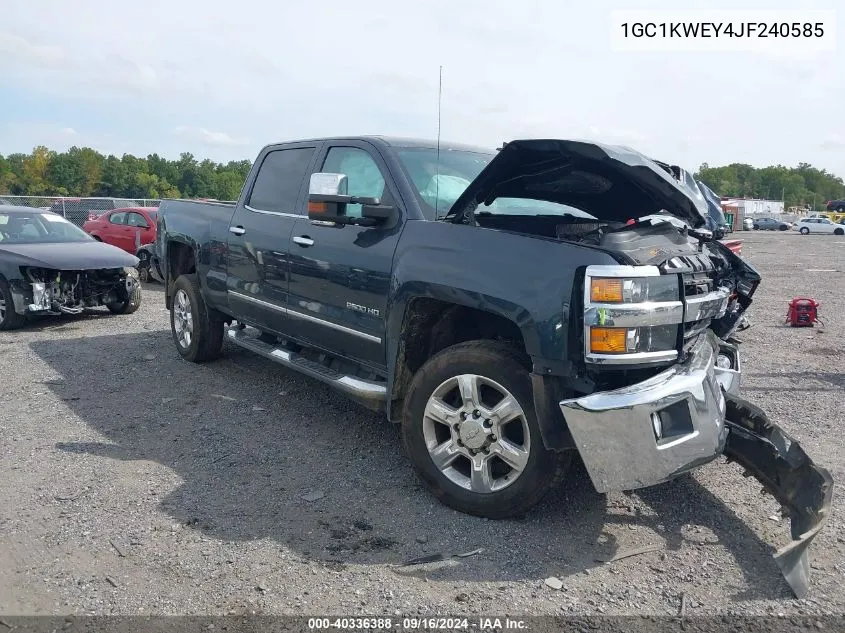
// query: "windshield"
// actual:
[[440, 183], [38, 228]]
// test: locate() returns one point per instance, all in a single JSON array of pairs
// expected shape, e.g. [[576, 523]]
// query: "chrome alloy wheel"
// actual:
[[183, 320], [476, 433], [2, 308]]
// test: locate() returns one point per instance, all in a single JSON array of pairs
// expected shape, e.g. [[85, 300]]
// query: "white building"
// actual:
[[753, 207]]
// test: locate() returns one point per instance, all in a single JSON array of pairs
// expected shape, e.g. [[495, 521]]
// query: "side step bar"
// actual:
[[370, 393]]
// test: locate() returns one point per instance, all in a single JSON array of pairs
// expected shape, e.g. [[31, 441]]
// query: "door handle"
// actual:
[[303, 240], [237, 230]]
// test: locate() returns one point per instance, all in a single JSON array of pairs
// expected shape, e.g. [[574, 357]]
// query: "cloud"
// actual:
[[835, 141], [207, 137], [16, 48]]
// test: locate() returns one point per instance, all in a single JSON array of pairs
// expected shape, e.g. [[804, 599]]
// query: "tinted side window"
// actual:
[[279, 180], [117, 218], [363, 175]]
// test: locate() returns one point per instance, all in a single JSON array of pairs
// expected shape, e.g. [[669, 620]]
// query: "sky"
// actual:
[[220, 79]]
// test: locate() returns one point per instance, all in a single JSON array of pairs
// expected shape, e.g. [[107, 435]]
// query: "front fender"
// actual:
[[525, 279]]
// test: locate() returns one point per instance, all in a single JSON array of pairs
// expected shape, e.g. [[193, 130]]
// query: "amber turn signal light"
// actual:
[[606, 290], [608, 340]]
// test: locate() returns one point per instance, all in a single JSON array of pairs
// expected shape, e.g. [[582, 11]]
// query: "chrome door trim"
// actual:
[[306, 317], [282, 214]]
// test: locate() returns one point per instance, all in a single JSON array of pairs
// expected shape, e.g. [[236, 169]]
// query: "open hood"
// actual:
[[614, 184]]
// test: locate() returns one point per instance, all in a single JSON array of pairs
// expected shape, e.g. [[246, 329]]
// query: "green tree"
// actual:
[[36, 171]]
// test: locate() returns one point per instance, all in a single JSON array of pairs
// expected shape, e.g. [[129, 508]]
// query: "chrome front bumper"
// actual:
[[652, 431]]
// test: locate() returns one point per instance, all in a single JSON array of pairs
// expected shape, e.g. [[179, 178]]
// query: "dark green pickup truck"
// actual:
[[510, 309]]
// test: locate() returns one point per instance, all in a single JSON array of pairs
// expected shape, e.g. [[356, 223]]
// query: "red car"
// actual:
[[127, 228]]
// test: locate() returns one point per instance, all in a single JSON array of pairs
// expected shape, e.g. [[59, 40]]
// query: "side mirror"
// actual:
[[327, 200]]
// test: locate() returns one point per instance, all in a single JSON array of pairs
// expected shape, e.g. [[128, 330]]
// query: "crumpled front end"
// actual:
[[688, 415], [650, 432], [44, 291]]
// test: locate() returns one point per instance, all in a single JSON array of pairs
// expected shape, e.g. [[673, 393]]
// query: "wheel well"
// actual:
[[431, 325], [181, 261]]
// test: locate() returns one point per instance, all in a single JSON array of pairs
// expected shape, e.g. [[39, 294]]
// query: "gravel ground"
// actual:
[[134, 482]]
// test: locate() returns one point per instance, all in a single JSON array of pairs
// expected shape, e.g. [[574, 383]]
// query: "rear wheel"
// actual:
[[471, 433], [9, 319], [198, 335], [804, 230]]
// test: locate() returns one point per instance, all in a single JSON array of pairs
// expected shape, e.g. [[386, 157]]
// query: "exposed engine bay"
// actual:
[[704, 262], [70, 292]]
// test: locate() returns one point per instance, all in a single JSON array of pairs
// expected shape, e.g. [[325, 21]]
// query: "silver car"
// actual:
[[770, 224]]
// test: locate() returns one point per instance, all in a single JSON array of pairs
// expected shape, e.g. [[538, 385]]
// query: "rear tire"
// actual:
[[804, 230], [9, 319], [197, 333], [463, 380]]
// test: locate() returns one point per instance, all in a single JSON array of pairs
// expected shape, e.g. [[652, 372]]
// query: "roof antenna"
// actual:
[[437, 176]]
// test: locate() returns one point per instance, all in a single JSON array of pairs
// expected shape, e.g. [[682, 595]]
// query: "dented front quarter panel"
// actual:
[[804, 489]]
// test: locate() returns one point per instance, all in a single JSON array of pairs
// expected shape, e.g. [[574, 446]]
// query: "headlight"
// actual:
[[617, 290], [632, 314]]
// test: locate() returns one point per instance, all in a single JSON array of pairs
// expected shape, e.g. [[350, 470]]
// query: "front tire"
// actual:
[[804, 230], [9, 319], [197, 334], [471, 432], [839, 231], [130, 300]]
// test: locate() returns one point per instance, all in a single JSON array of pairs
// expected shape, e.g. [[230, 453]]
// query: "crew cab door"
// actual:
[[340, 274], [259, 235]]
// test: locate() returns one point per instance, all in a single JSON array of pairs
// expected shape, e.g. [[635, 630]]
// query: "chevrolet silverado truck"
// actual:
[[511, 309]]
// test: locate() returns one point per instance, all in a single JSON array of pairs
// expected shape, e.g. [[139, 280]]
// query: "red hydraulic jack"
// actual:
[[803, 312]]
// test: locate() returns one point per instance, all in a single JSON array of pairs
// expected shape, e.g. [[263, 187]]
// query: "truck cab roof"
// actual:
[[394, 141]]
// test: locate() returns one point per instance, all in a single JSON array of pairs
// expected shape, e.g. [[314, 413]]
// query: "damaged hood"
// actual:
[[91, 255], [612, 183]]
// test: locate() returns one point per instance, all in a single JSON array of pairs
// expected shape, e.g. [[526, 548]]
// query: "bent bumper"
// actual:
[[779, 463], [650, 432]]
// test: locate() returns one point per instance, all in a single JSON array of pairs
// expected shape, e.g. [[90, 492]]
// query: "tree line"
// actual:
[[86, 172], [796, 186]]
